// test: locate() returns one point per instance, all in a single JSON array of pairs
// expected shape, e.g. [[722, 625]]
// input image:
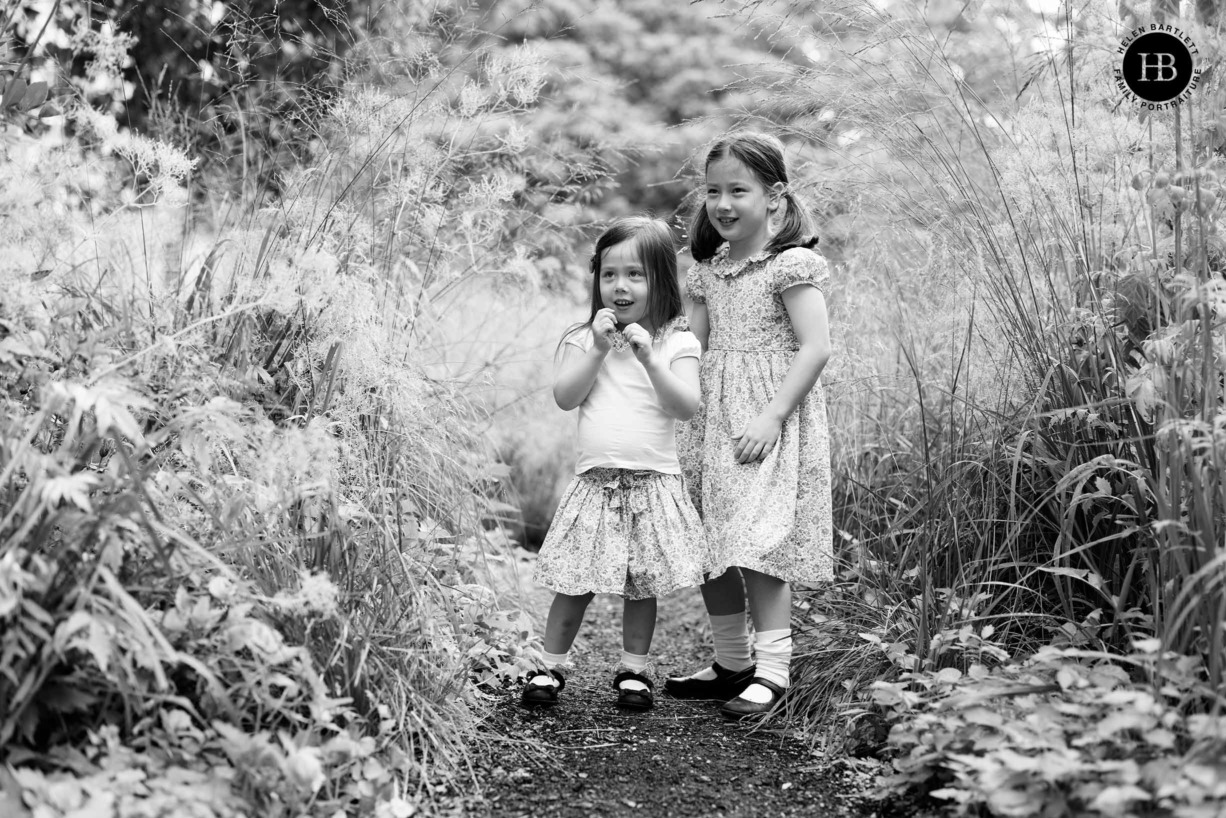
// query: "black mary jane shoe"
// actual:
[[634, 699], [537, 695], [739, 708], [726, 684]]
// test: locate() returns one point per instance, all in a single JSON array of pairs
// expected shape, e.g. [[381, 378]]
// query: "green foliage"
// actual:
[[655, 80], [1026, 415], [1065, 733], [18, 97], [1024, 461], [249, 538], [238, 85]]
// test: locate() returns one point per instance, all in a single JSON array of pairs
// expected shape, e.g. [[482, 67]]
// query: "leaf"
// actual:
[[373, 770], [948, 675], [49, 109], [73, 488], [1115, 800], [1108, 676], [39, 275], [304, 769], [11, 804], [953, 794], [1066, 678], [15, 91], [983, 716], [1150, 645], [1161, 738], [1008, 801], [61, 698], [35, 95], [397, 808], [1123, 720], [1085, 575], [69, 627]]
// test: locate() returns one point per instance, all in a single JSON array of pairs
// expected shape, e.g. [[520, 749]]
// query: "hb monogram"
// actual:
[[1163, 64], [1158, 66]]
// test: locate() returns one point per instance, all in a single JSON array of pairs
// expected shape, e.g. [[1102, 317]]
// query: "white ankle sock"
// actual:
[[637, 663], [731, 636], [774, 650], [634, 661], [550, 660]]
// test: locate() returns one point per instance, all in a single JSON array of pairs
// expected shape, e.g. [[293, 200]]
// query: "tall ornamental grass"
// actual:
[[1028, 418], [249, 544]]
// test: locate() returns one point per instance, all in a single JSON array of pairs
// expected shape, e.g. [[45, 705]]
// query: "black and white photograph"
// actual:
[[610, 408]]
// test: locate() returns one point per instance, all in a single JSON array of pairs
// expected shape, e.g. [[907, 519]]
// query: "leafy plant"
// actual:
[[1065, 732], [247, 534], [1026, 416]]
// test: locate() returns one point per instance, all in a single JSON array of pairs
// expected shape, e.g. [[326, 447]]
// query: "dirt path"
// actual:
[[585, 757]]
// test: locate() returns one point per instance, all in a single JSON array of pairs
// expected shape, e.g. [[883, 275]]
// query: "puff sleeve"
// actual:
[[683, 344], [579, 337], [799, 265]]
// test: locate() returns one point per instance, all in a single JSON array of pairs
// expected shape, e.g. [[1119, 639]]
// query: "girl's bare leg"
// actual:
[[725, 594], [565, 616], [638, 625]]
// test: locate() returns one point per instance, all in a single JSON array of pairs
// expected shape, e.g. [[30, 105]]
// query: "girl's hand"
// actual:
[[640, 342], [757, 438], [603, 327]]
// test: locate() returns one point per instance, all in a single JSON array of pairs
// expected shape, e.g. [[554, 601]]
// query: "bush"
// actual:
[[1066, 732], [1031, 450], [247, 542]]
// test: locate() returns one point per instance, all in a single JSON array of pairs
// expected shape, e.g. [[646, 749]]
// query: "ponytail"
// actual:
[[704, 238], [796, 230]]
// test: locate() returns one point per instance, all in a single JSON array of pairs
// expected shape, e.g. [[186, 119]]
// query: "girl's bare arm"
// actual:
[[576, 374]]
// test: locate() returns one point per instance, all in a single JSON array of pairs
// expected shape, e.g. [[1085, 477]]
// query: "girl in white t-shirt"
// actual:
[[625, 525]]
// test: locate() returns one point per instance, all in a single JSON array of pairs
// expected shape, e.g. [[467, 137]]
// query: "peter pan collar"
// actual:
[[725, 267]]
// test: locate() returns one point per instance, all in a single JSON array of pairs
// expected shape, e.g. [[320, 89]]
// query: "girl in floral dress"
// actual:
[[625, 525], [757, 457]]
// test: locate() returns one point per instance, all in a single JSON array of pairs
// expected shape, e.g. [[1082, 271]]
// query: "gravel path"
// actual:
[[585, 757]]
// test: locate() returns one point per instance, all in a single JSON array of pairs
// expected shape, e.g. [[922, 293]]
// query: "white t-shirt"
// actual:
[[621, 422]]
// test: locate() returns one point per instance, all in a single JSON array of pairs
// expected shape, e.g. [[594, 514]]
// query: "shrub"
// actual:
[[1065, 732], [246, 541], [1034, 449]]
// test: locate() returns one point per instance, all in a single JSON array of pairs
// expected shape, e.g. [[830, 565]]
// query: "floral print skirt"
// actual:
[[631, 533]]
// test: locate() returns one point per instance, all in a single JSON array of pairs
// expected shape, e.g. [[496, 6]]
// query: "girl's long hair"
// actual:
[[658, 254], [763, 155]]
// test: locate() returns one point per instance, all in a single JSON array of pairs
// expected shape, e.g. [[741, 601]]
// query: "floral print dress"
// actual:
[[773, 515]]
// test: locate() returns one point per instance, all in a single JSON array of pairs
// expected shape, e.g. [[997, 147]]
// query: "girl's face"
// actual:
[[738, 205], [623, 283]]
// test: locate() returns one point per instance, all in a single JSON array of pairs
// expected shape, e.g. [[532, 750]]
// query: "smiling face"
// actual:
[[739, 206], [623, 283]]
